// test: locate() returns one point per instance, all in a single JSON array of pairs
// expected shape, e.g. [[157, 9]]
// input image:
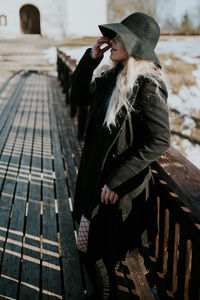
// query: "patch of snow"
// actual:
[[196, 74], [168, 62], [186, 132], [192, 152], [186, 100], [190, 60], [51, 55], [188, 122], [175, 102], [58, 38], [190, 97], [185, 47], [75, 52]]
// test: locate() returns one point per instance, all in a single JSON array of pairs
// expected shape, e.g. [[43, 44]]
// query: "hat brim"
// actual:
[[133, 44]]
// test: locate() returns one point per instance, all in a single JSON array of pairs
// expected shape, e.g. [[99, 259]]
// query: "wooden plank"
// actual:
[[171, 253], [138, 277], [165, 241], [12, 254], [70, 262], [181, 271], [70, 154], [187, 269], [9, 82], [161, 250], [194, 287], [51, 276], [9, 111], [161, 232], [7, 89], [71, 125], [30, 271], [6, 203], [125, 286], [182, 177]]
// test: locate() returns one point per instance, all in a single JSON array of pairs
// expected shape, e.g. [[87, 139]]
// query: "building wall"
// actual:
[[83, 17], [57, 18], [50, 16]]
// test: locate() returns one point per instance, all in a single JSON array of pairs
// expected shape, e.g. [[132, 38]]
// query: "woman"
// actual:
[[128, 128]]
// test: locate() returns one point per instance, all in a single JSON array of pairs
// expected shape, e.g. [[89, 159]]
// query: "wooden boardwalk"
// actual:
[[35, 194], [39, 159]]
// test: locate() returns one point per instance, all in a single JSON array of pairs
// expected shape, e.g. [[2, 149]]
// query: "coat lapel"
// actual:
[[122, 115], [121, 118]]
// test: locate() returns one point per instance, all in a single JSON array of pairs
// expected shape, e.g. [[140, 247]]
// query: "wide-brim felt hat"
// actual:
[[140, 34]]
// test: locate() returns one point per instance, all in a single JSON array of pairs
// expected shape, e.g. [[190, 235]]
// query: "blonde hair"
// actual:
[[126, 80]]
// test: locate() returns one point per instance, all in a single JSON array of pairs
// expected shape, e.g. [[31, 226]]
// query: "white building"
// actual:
[[52, 18]]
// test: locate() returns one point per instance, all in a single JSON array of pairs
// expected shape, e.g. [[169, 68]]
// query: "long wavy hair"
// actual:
[[126, 80]]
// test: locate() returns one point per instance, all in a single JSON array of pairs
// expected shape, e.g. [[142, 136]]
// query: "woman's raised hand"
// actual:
[[108, 196], [97, 51]]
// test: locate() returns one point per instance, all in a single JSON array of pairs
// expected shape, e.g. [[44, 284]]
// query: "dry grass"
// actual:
[[179, 72]]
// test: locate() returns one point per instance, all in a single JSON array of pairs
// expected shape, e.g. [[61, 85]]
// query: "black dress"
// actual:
[[110, 237]]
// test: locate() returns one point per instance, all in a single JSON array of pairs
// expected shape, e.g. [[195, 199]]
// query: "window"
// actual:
[[3, 20]]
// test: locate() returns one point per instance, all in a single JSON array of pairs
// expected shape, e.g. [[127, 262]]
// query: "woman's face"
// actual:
[[118, 51]]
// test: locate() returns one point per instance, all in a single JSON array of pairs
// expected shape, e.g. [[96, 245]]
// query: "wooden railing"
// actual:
[[174, 260], [65, 68], [177, 248]]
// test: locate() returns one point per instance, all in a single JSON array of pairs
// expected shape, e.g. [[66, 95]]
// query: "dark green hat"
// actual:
[[139, 32]]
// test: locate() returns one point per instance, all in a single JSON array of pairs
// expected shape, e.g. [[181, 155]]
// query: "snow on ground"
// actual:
[[188, 99], [51, 55], [188, 122], [188, 47], [192, 151]]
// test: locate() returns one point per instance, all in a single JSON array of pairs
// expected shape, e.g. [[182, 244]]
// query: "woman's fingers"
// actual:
[[106, 48], [115, 198], [97, 51], [100, 42], [103, 192], [108, 196], [111, 197]]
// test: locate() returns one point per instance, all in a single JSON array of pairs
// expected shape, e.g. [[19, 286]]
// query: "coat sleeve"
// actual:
[[157, 137], [82, 89]]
